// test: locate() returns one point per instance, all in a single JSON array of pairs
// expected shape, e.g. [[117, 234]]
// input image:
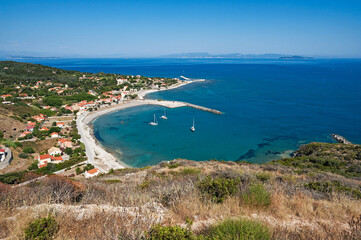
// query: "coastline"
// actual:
[[97, 155]]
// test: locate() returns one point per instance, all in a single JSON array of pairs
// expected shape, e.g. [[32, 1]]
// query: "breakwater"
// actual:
[[176, 104]]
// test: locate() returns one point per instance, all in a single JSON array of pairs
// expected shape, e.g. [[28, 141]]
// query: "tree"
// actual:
[[53, 101], [78, 171], [28, 150]]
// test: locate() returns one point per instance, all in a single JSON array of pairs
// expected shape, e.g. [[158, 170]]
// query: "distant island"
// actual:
[[31, 57], [233, 55], [295, 58]]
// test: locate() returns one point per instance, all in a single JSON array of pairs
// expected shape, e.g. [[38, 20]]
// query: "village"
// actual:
[[57, 104]]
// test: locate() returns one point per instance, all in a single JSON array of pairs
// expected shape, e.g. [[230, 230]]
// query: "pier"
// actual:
[[340, 139], [176, 104]]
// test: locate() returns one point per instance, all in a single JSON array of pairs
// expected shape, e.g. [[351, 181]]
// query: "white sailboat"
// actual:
[[193, 129], [164, 116], [154, 123]]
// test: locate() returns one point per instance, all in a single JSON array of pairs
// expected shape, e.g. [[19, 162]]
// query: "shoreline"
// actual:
[[97, 154]]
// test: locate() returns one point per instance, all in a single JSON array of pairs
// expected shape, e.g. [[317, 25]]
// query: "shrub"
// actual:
[[239, 229], [33, 166], [334, 186], [263, 176], [113, 181], [23, 155], [257, 196], [41, 229], [28, 150], [173, 165], [190, 171], [218, 188]]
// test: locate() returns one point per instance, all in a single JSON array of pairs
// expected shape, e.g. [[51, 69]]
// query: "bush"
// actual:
[[334, 186], [257, 196], [28, 150], [41, 229], [263, 176], [23, 155], [239, 229], [218, 188], [190, 171]]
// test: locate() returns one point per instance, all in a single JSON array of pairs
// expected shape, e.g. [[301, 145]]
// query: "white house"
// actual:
[[92, 173], [54, 151], [54, 135], [44, 159]]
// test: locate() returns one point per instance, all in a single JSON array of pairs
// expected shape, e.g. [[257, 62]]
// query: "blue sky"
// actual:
[[141, 28]]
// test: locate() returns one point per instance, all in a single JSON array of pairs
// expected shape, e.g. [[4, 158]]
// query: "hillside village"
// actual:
[[47, 101]]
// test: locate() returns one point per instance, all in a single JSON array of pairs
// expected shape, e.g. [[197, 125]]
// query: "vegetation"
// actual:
[[337, 158], [159, 232], [218, 188], [334, 186], [257, 196], [41, 229], [239, 229], [28, 150]]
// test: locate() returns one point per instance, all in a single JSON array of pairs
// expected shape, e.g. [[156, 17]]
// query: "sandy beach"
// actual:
[[96, 154]]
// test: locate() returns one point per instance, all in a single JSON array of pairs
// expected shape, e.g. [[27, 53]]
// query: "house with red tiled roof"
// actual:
[[44, 159], [42, 165], [56, 159], [54, 135], [44, 129], [64, 143], [92, 173], [5, 96], [23, 134], [60, 124]]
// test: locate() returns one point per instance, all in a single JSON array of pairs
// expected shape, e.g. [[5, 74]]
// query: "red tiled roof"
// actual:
[[2, 150], [42, 165], [44, 156], [92, 171], [56, 158]]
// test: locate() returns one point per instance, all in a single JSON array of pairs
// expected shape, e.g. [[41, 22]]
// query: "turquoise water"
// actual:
[[271, 108]]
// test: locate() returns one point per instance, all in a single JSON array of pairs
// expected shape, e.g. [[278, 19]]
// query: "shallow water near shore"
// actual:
[[271, 108]]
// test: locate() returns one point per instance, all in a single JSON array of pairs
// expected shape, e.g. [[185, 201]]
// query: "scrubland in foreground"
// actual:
[[315, 195]]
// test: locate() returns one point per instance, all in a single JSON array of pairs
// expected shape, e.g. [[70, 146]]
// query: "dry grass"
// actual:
[[110, 208]]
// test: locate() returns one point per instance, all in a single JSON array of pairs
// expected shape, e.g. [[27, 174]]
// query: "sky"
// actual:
[[149, 28]]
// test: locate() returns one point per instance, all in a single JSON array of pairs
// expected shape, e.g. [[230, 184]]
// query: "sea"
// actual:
[[271, 107]]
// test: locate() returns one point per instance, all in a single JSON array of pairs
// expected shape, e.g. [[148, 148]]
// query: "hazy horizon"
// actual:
[[123, 29]]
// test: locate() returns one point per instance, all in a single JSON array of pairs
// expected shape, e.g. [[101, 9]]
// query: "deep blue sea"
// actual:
[[271, 108]]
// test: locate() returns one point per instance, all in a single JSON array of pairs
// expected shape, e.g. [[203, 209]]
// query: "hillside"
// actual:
[[315, 195]]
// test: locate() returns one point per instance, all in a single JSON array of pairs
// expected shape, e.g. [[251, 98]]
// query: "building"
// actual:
[[64, 143], [5, 96], [44, 159], [56, 159], [23, 134], [54, 135], [2, 155], [60, 124], [44, 129], [54, 151], [92, 173]]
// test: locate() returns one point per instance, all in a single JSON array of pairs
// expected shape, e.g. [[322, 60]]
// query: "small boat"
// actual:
[[164, 116], [154, 123], [193, 129]]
